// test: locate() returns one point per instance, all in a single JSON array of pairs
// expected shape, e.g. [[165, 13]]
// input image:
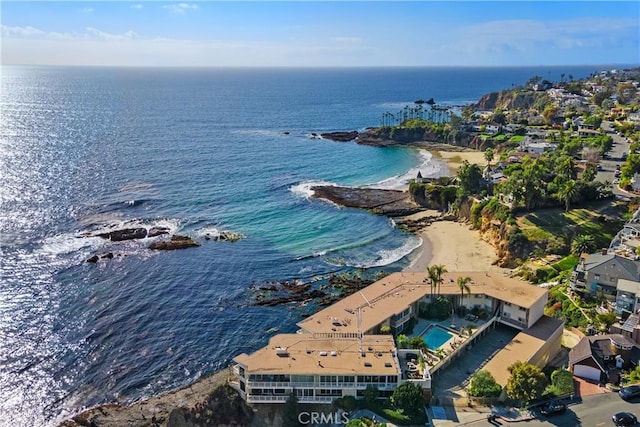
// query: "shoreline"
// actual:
[[443, 242]]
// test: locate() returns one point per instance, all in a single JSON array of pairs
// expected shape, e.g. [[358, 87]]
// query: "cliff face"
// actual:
[[511, 99], [383, 137]]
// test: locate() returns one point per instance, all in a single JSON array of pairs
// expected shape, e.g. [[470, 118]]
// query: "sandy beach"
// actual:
[[450, 243], [455, 158], [456, 246]]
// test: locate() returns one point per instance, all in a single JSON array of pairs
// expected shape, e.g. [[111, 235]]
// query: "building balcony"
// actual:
[[397, 322], [267, 384], [512, 322], [282, 399]]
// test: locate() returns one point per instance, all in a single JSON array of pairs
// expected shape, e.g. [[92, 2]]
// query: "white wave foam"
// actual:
[[429, 167], [63, 244], [389, 256], [172, 225], [304, 188], [209, 230]]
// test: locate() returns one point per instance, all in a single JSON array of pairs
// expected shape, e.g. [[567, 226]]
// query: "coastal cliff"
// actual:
[[511, 100], [422, 137]]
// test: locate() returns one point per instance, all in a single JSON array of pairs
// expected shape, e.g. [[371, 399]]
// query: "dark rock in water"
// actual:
[[340, 136], [285, 133], [125, 234], [382, 202], [108, 255], [157, 231], [228, 236], [94, 258], [176, 242]]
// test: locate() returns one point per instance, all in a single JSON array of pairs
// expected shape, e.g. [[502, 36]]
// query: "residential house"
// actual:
[[600, 272], [595, 356]]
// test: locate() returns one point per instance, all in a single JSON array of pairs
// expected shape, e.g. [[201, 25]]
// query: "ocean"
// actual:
[[198, 151]]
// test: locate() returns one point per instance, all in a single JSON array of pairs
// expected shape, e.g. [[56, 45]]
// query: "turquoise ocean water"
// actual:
[[197, 151]]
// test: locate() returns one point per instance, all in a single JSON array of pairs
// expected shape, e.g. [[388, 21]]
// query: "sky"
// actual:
[[320, 33]]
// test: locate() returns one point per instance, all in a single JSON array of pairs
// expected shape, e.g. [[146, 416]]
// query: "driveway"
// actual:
[[587, 388]]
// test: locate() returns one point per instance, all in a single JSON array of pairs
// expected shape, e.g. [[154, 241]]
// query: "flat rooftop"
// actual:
[[303, 354], [394, 293], [522, 347]]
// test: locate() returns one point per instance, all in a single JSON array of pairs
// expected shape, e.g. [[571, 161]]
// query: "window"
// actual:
[[596, 277], [506, 314]]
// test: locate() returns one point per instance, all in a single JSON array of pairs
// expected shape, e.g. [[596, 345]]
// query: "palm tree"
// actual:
[[584, 243], [568, 192], [438, 271], [463, 285], [488, 156], [433, 279]]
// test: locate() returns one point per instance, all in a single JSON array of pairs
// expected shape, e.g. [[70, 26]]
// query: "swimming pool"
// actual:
[[435, 337]]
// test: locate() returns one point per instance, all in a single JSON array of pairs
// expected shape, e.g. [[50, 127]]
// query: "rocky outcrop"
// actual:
[[340, 136], [124, 234], [176, 242], [511, 99], [96, 258], [390, 203], [224, 236], [223, 407], [414, 137], [157, 231]]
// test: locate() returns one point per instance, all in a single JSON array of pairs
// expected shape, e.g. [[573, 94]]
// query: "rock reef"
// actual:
[[390, 203], [176, 242], [340, 136]]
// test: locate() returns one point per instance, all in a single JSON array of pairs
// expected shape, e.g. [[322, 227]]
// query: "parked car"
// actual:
[[624, 419], [553, 408], [630, 392]]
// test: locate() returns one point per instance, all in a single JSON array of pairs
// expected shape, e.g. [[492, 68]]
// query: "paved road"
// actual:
[[593, 411], [614, 157]]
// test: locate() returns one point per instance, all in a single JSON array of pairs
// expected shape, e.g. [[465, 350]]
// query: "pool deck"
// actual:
[[434, 355]]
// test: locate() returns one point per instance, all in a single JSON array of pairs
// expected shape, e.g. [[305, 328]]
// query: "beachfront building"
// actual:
[[320, 370], [395, 299], [338, 351]]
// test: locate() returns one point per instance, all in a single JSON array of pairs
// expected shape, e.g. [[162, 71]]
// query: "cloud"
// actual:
[[136, 6], [8, 31], [101, 35], [87, 10], [180, 8], [89, 34]]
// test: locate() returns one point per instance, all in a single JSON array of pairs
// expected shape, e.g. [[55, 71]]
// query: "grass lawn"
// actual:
[[602, 221], [566, 263], [516, 138]]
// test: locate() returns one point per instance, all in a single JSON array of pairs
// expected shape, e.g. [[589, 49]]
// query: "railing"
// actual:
[[301, 399], [445, 360], [398, 322], [266, 399], [514, 323], [262, 384]]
